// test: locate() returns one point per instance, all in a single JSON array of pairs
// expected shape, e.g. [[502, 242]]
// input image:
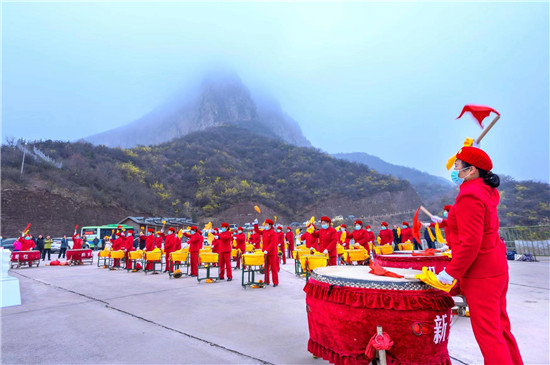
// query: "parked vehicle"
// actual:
[[7, 243], [56, 245]]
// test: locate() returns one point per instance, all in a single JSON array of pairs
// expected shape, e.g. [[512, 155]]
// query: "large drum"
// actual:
[[436, 263], [345, 304]]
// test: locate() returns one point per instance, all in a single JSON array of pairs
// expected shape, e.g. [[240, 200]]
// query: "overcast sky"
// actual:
[[386, 79]]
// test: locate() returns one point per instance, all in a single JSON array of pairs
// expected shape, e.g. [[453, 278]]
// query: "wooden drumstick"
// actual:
[[426, 211], [381, 353], [487, 129]]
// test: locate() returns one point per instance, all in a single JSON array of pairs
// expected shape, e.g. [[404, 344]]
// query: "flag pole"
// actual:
[[478, 140]]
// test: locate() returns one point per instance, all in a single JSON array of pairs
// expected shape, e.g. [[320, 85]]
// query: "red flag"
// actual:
[[376, 269], [416, 226], [479, 112]]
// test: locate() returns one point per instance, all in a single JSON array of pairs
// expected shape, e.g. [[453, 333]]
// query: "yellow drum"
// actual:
[[339, 249], [234, 252], [313, 261], [249, 248], [179, 256], [117, 254], [406, 246], [104, 253], [383, 250], [208, 257], [135, 255], [253, 259], [355, 255], [205, 250], [153, 255]]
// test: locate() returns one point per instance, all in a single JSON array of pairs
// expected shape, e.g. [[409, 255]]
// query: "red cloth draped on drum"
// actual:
[[342, 320], [437, 263]]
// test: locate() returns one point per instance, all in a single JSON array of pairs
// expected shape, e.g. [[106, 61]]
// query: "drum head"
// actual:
[[359, 276]]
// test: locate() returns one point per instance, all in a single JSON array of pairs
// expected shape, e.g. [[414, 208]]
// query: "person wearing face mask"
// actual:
[[281, 242], [442, 222], [195, 245], [289, 238], [171, 244], [269, 239], [240, 237], [386, 235], [159, 239], [117, 245], [339, 235], [359, 235], [150, 245], [128, 247], [27, 244], [224, 250], [327, 240], [77, 245], [406, 233], [370, 235], [479, 256], [311, 242], [256, 240]]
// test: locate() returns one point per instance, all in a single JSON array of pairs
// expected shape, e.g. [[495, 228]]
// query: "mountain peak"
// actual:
[[221, 99]]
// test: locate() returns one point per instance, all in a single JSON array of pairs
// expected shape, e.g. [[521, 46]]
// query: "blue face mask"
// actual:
[[404, 226], [454, 176], [383, 227], [445, 214], [324, 226], [267, 228], [27, 238], [357, 227], [223, 229]]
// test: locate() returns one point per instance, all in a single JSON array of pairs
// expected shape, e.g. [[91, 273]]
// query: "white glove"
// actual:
[[436, 219], [445, 278], [216, 237], [186, 245], [357, 245], [325, 251], [162, 230], [475, 144], [265, 252], [426, 225], [255, 221], [444, 248]]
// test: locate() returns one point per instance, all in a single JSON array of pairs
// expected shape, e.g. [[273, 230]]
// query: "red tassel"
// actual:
[[378, 343]]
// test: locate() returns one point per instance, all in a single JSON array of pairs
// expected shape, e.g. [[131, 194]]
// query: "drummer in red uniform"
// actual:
[[240, 238], [327, 239], [77, 245], [27, 244], [281, 242], [386, 235], [225, 243], [256, 240], [370, 235], [442, 222], [347, 238], [406, 233], [195, 245], [479, 256], [311, 242], [150, 245], [359, 235], [269, 239], [289, 238], [128, 247]]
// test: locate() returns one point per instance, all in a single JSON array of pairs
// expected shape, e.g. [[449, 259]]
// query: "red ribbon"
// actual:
[[378, 343]]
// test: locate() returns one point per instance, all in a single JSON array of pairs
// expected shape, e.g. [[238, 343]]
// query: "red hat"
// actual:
[[475, 157], [405, 223], [119, 226], [269, 221], [326, 219], [384, 224], [194, 228], [150, 230], [367, 226], [344, 226], [172, 229], [358, 222], [226, 225], [216, 230], [129, 231], [116, 234], [240, 228], [447, 207]]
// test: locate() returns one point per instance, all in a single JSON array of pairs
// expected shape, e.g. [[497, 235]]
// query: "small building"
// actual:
[[142, 224]]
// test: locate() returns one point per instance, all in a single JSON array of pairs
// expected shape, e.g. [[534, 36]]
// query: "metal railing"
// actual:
[[534, 240]]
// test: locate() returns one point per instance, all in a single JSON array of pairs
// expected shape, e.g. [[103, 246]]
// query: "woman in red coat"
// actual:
[[359, 235], [240, 238], [269, 239], [327, 240], [195, 244], [289, 238], [225, 244], [281, 242], [386, 235], [479, 256]]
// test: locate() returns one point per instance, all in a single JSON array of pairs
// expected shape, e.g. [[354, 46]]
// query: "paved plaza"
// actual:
[[89, 315]]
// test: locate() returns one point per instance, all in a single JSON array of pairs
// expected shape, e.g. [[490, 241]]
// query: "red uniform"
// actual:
[[77, 245], [159, 241], [406, 234], [128, 247], [360, 237], [281, 244], [150, 246], [370, 237], [195, 244], [346, 240], [269, 239], [241, 245], [256, 240], [170, 245], [289, 237], [311, 242], [327, 241], [386, 236], [479, 262], [224, 250], [26, 245]]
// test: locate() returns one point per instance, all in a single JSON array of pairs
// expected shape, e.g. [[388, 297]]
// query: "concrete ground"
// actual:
[[85, 314]]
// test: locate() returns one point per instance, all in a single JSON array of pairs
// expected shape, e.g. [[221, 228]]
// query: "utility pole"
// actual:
[[23, 162]]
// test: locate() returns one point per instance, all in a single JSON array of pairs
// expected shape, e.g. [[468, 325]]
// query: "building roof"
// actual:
[[158, 220]]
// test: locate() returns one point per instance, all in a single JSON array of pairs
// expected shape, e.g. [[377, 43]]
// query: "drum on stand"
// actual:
[[436, 263], [345, 304]]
